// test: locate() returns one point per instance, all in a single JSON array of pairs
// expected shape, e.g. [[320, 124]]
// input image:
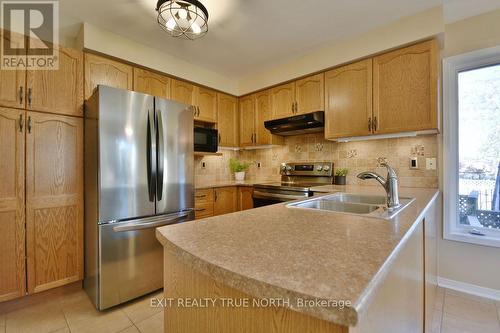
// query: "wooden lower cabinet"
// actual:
[[12, 233], [225, 200], [245, 200], [204, 203], [54, 200], [222, 200]]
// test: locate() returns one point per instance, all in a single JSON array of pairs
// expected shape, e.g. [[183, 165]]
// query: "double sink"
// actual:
[[354, 204]]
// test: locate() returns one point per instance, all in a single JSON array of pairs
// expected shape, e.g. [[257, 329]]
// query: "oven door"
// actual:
[[270, 197], [206, 139]]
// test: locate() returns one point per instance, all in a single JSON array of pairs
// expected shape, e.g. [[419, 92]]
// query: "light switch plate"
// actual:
[[430, 163]]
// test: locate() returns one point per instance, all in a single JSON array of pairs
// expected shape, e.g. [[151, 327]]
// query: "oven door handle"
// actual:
[[270, 195]]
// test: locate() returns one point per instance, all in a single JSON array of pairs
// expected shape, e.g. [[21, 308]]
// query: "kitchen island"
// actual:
[[303, 270]]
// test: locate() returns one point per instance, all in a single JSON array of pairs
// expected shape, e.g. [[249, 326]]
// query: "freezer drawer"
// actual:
[[131, 258]]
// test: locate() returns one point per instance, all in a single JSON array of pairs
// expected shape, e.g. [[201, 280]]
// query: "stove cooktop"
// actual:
[[297, 186]]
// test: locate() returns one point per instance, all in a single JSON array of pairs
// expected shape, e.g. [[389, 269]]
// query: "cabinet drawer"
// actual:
[[205, 209], [203, 196]]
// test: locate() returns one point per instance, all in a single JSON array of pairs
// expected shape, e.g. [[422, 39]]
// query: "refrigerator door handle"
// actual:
[[158, 221], [151, 157], [160, 144]]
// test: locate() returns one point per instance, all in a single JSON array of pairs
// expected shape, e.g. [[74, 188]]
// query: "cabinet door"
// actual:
[[58, 91], [151, 83], [207, 105], [245, 199], [309, 94], [183, 92], [12, 82], [247, 119], [262, 114], [282, 100], [227, 120], [100, 70], [12, 266], [54, 200], [405, 86], [204, 203], [349, 100], [225, 200]]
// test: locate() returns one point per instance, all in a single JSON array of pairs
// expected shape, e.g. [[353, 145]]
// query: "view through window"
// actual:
[[479, 147]]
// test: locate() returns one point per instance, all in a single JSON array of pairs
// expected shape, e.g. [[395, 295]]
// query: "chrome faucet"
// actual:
[[390, 184]]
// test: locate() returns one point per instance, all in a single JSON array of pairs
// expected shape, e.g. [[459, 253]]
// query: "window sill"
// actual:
[[489, 239]]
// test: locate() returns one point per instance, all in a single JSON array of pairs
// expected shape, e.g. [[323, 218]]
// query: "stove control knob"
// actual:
[[326, 168], [288, 168], [319, 168], [283, 168]]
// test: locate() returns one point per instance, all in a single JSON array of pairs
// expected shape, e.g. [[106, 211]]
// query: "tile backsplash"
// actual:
[[356, 156]]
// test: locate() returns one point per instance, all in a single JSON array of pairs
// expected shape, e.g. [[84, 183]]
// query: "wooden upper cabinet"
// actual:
[[207, 105], [100, 70], [183, 92], [54, 200], [151, 83], [348, 100], [309, 94], [405, 87], [282, 100], [262, 114], [247, 121], [58, 91], [225, 200], [227, 120], [12, 82], [12, 237]]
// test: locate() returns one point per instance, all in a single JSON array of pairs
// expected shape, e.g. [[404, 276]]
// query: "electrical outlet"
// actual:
[[430, 163], [258, 165], [413, 163], [203, 165]]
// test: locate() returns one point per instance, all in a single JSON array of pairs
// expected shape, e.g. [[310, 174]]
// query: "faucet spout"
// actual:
[[390, 184]]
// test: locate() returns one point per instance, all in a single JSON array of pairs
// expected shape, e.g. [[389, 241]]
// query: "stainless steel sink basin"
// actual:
[[354, 204]]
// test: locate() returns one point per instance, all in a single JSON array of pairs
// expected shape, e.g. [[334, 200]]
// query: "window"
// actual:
[[471, 165]]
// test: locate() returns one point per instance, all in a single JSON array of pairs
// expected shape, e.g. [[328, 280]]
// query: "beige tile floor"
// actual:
[[75, 313], [454, 312]]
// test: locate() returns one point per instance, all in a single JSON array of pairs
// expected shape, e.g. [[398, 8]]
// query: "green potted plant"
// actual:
[[340, 176], [238, 168]]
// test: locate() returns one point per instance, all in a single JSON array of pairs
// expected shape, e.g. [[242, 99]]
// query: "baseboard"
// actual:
[[468, 288]]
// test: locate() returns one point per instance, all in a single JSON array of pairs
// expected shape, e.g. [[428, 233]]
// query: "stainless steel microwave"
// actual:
[[206, 139]]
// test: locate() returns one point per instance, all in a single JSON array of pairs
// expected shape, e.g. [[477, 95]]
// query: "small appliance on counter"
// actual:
[[297, 179], [206, 140], [139, 175]]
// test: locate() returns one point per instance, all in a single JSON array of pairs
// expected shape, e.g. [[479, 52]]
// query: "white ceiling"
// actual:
[[249, 36]]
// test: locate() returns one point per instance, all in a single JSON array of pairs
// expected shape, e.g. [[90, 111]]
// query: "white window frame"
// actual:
[[452, 66]]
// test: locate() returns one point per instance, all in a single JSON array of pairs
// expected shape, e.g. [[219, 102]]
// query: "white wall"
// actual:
[[115, 45], [420, 26], [463, 262]]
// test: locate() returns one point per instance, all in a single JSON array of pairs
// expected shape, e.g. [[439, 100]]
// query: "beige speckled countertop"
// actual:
[[224, 183], [275, 251]]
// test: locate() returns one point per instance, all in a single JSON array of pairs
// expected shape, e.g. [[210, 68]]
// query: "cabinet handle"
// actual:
[[21, 123], [215, 196], [296, 107], [200, 196], [370, 124], [21, 95], [293, 107], [219, 138], [200, 210], [198, 110], [29, 124], [375, 123], [29, 96]]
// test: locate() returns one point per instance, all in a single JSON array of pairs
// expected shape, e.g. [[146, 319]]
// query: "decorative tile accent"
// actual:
[[356, 156]]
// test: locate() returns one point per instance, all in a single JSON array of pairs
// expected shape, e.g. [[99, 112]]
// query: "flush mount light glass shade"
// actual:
[[183, 18]]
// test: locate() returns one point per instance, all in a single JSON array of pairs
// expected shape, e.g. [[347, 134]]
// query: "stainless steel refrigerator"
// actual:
[[138, 176]]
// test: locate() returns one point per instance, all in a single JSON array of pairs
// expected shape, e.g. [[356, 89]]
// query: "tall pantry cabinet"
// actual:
[[41, 178]]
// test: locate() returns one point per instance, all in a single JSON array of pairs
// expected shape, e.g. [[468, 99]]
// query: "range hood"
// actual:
[[301, 124]]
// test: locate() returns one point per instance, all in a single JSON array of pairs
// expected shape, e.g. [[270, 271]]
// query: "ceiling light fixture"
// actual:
[[183, 18]]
